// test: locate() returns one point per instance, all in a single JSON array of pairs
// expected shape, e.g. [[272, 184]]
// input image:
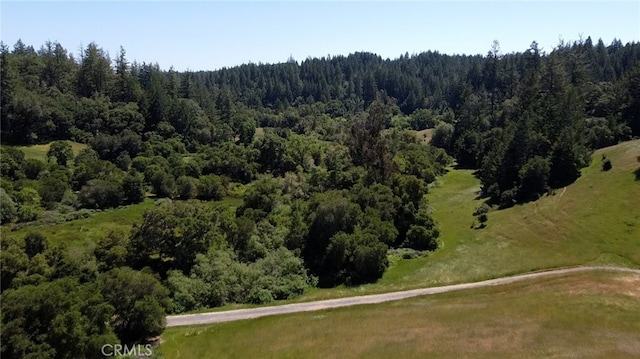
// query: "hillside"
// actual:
[[597, 218]]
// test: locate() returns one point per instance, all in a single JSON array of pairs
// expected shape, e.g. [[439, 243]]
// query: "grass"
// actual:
[[83, 232], [424, 135], [80, 232], [39, 152], [577, 315], [259, 133]]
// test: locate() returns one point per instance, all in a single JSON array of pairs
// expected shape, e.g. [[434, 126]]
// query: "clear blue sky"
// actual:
[[206, 35]]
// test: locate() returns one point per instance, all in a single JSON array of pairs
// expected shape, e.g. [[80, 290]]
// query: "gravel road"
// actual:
[[231, 315]]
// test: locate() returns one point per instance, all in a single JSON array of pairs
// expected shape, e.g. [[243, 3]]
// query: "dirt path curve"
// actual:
[[231, 315]]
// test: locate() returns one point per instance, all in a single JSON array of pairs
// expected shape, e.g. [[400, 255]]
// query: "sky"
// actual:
[[208, 35]]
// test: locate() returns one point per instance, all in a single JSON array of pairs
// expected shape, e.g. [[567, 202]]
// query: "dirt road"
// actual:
[[231, 315]]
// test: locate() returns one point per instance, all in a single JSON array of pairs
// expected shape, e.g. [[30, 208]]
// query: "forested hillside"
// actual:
[[334, 179]]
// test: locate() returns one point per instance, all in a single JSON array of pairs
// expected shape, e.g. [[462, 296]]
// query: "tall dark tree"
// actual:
[[95, 73], [367, 145]]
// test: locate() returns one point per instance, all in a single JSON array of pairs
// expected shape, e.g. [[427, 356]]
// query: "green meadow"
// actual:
[[39, 152]]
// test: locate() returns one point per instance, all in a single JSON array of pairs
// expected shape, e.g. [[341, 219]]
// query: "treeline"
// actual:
[[536, 134], [48, 94]]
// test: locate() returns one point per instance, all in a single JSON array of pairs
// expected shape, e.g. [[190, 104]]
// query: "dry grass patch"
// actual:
[[425, 135]]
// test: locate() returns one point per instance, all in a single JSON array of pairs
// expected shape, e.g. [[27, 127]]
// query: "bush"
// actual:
[[606, 164], [443, 135], [508, 198], [260, 296], [101, 194], [32, 168], [187, 187], [133, 187], [211, 187], [421, 238], [482, 209], [405, 253], [8, 210], [163, 184]]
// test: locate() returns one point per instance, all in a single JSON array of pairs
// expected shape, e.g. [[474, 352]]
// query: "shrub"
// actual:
[[443, 135], [211, 187], [187, 187], [606, 164], [101, 194], [260, 296], [482, 209], [32, 168], [8, 210]]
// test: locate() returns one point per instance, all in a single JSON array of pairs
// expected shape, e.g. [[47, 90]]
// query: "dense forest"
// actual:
[[332, 181]]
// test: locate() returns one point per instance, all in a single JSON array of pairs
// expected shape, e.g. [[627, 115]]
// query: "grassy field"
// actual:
[[593, 315], [259, 133], [39, 152], [424, 135], [82, 232]]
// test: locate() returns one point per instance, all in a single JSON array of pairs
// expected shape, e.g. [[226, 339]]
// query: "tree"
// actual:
[[133, 187], [568, 156], [632, 100], [13, 260], [28, 201], [62, 151], [163, 184], [187, 187], [101, 193], [534, 177], [367, 144], [11, 163], [111, 250], [210, 187], [356, 258], [95, 73], [261, 196], [422, 119], [52, 187], [442, 135], [171, 235], [423, 234], [8, 209], [140, 303], [32, 168], [126, 87], [35, 243], [59, 319], [329, 213]]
